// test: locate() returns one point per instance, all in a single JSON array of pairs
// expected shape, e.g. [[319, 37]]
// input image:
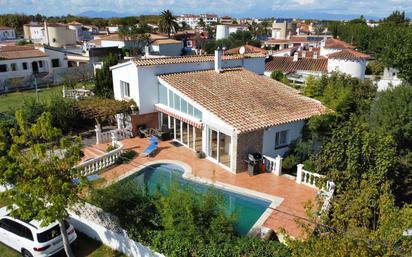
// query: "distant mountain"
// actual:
[[306, 15], [103, 14]]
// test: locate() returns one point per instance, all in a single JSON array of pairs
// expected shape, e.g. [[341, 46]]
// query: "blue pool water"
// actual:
[[247, 210]]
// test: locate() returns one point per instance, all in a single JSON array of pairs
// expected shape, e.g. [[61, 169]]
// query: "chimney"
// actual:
[[46, 33], [315, 55], [218, 60], [296, 57], [303, 54]]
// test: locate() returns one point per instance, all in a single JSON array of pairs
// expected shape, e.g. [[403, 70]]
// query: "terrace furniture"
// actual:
[[151, 148]]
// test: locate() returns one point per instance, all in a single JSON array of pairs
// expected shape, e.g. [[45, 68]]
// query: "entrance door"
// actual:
[[35, 67]]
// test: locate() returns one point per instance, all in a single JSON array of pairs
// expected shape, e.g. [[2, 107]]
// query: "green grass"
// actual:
[[12, 101], [84, 247]]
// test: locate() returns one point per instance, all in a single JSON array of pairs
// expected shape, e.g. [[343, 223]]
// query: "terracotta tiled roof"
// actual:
[[276, 41], [286, 64], [243, 99], [309, 54], [338, 44], [298, 40], [348, 54], [190, 59], [249, 49], [9, 53], [5, 28]]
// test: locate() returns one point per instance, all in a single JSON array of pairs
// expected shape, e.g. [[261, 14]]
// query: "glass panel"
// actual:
[[190, 143], [190, 109], [164, 121], [184, 133], [198, 139], [197, 114], [172, 126], [170, 99], [183, 106], [177, 102], [162, 94], [213, 144], [224, 149], [178, 130]]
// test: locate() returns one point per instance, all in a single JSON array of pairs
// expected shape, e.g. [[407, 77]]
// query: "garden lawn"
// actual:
[[12, 101], [84, 247]]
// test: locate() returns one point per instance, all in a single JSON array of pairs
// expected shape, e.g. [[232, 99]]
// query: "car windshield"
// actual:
[[49, 234]]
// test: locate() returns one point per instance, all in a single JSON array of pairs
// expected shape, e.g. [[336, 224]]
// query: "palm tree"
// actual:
[[167, 23]]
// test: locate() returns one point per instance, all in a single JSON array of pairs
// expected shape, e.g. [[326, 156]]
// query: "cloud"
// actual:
[[221, 7]]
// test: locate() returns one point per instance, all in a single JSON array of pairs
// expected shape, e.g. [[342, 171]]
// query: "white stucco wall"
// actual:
[[355, 68], [127, 73], [171, 49], [111, 43], [57, 55], [20, 72], [269, 137]]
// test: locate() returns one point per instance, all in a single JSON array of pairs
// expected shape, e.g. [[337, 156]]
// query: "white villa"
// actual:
[[333, 55], [221, 105]]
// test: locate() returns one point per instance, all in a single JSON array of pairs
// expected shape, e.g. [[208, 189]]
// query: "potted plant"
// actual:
[[200, 154]]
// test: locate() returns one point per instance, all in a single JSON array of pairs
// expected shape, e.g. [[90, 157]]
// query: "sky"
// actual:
[[236, 8]]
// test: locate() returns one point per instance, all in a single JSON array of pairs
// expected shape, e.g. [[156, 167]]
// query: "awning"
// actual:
[[195, 124]]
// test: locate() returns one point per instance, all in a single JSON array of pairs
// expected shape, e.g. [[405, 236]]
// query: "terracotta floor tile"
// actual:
[[294, 195]]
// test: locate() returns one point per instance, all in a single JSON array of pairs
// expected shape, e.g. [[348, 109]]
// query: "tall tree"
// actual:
[[39, 164], [168, 23], [103, 78], [135, 37]]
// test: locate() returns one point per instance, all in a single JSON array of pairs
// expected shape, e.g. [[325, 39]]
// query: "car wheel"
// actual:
[[26, 253]]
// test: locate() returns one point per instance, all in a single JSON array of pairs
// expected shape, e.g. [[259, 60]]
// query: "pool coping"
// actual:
[[187, 174]]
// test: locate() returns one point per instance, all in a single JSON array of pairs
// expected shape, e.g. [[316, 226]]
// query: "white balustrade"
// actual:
[[76, 93], [307, 178], [274, 165], [119, 134], [94, 165]]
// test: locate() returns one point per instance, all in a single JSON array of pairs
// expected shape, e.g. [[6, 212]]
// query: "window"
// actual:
[[162, 94], [13, 66], [3, 68], [24, 65], [183, 105], [55, 63], [281, 139], [177, 102], [125, 89], [41, 64], [190, 109], [16, 228], [197, 113], [171, 99], [189, 43]]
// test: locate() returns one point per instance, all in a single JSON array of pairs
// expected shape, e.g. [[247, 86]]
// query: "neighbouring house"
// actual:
[[248, 49], [220, 105], [302, 41], [22, 67], [158, 44], [192, 20], [111, 29], [52, 34], [7, 33], [389, 78], [333, 55], [283, 29], [82, 33], [226, 20], [166, 47], [193, 41]]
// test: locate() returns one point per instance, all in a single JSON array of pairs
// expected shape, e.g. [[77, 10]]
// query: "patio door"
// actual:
[[219, 147]]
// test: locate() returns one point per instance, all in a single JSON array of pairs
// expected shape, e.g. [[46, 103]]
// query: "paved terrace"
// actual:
[[294, 195]]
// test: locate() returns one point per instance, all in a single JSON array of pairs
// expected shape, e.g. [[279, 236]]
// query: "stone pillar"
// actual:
[[114, 138], [299, 173], [278, 166], [64, 91], [119, 121], [98, 131]]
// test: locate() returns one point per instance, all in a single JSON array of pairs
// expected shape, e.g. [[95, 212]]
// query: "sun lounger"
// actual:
[[151, 148]]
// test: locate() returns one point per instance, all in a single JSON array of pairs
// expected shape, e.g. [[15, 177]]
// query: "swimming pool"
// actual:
[[246, 209]]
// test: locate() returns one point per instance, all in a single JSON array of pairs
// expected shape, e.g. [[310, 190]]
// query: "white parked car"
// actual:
[[31, 239]]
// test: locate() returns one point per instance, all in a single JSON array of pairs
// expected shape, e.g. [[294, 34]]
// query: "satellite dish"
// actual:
[[242, 50]]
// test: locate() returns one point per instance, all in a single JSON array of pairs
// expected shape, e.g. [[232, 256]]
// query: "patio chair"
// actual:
[[151, 148]]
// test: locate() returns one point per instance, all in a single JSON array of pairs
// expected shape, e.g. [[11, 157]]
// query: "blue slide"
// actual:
[[151, 148]]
